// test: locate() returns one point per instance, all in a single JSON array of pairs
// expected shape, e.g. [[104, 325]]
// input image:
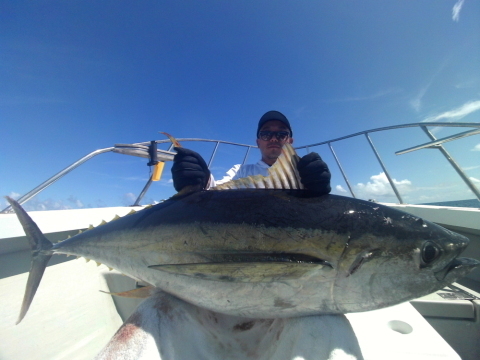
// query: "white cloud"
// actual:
[[76, 202], [468, 168], [470, 83], [476, 148], [136, 178], [72, 202], [339, 188], [474, 180], [37, 204], [417, 101], [373, 96], [52, 204], [379, 186], [458, 113], [456, 10], [129, 199], [14, 195]]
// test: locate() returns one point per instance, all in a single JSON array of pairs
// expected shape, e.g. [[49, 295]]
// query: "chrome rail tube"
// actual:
[[390, 180], [213, 154], [454, 164], [394, 127], [144, 191], [56, 177], [341, 170], [437, 142], [246, 155]]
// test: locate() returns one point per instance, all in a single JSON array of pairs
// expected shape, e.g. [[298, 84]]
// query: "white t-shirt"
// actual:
[[241, 171]]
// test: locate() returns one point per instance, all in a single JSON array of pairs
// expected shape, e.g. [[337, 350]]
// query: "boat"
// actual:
[[71, 319]]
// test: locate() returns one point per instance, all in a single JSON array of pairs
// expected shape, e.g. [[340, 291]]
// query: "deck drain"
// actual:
[[400, 326]]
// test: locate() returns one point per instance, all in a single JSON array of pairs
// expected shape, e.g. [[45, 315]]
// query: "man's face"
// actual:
[[272, 148]]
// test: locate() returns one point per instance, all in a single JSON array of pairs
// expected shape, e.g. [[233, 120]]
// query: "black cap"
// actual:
[[273, 115]]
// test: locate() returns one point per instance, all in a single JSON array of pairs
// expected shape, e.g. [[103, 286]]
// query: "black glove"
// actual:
[[189, 168], [314, 174]]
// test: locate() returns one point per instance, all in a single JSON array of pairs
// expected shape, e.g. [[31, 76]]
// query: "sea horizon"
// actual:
[[470, 203]]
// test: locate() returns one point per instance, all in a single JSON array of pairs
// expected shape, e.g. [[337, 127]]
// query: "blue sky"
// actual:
[[77, 76]]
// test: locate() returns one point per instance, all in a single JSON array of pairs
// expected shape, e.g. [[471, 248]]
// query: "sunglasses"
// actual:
[[267, 135]]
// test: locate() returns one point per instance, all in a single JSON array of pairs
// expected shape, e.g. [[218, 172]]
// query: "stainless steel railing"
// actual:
[[141, 150], [434, 144]]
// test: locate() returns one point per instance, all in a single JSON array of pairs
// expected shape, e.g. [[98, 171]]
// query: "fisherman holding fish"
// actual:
[[273, 132]]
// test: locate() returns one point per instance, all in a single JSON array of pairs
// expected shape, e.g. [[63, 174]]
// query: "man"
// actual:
[[273, 132]]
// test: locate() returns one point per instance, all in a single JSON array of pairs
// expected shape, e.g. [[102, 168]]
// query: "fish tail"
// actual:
[[41, 254]]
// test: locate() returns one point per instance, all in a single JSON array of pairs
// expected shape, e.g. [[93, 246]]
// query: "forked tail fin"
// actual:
[[41, 254]]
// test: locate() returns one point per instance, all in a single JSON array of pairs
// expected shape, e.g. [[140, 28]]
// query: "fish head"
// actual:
[[403, 258]]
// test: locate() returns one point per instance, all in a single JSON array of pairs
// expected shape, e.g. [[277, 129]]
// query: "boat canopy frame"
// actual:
[[142, 150]]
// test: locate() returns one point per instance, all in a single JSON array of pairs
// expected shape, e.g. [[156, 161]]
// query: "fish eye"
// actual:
[[430, 253]]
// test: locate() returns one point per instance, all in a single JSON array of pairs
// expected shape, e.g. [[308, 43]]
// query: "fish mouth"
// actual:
[[456, 269]]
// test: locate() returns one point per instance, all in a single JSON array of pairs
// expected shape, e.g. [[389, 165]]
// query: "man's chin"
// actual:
[[273, 154]]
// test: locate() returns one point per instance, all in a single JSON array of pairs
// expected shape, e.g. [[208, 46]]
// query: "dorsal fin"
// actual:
[[282, 175]]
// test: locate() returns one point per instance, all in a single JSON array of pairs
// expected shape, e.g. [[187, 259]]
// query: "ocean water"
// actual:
[[472, 203]]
